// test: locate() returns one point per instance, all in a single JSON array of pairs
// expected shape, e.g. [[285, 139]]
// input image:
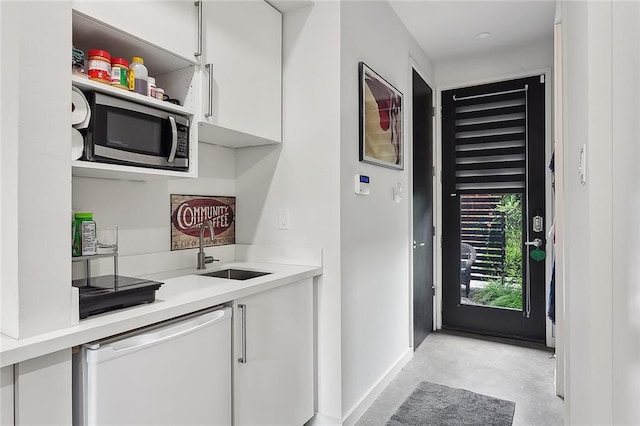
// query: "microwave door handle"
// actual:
[[174, 139]]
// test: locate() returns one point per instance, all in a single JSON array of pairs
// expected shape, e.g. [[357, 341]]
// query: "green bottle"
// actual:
[[84, 235]]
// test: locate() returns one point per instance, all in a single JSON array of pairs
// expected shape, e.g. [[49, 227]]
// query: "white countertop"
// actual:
[[183, 292]]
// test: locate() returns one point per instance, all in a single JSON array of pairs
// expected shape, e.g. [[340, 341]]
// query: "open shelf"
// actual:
[[94, 86], [89, 33], [92, 256], [121, 172]]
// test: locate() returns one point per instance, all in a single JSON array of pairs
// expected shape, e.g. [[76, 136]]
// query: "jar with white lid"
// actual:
[[151, 87]]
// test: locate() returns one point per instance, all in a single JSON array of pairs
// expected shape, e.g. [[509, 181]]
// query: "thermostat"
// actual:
[[362, 184]]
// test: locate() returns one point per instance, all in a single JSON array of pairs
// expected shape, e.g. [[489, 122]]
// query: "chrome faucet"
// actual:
[[202, 258]]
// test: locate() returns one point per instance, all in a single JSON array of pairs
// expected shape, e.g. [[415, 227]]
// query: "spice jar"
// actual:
[[120, 73], [100, 66], [151, 87]]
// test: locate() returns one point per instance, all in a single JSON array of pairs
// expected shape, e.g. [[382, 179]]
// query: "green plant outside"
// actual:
[[507, 292], [499, 294]]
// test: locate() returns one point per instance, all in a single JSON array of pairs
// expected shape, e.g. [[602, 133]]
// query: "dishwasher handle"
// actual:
[[164, 334]]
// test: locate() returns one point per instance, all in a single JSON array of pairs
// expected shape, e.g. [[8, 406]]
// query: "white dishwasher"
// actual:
[[175, 373]]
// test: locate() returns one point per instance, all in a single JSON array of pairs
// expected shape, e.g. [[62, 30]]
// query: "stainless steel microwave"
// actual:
[[124, 132]]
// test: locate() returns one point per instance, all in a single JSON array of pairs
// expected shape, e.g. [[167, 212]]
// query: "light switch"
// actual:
[[582, 171], [283, 218], [397, 193]]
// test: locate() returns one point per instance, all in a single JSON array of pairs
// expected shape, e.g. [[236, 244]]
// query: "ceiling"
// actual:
[[447, 29]]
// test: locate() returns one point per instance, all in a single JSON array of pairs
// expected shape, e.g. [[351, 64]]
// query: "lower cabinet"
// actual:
[[6, 396], [273, 356], [42, 390]]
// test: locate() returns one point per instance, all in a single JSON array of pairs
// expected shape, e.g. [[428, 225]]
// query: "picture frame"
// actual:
[[381, 120], [189, 211]]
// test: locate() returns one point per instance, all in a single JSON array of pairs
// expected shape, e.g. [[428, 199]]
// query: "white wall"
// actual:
[[375, 231], [8, 173], [578, 392], [626, 211], [535, 56], [142, 210], [36, 190], [601, 63], [303, 176], [591, 286]]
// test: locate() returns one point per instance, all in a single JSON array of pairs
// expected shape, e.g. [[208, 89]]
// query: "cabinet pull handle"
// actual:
[[198, 4], [209, 68], [243, 334]]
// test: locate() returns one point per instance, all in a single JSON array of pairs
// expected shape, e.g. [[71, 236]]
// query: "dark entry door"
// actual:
[[422, 209], [493, 209]]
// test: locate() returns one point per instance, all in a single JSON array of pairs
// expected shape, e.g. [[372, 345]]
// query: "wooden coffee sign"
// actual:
[[188, 212]]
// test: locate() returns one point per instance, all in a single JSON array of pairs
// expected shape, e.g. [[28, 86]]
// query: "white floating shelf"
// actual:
[[95, 86], [122, 172]]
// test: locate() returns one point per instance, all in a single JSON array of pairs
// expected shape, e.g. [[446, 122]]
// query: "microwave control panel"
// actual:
[[183, 142]]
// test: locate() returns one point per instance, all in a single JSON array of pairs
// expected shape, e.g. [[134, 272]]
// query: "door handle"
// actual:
[[174, 140], [416, 244], [243, 334], [536, 243]]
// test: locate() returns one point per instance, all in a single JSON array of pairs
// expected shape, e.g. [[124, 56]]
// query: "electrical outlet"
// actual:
[[283, 219]]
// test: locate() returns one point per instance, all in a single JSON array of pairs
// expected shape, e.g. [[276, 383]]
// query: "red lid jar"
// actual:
[[100, 65]]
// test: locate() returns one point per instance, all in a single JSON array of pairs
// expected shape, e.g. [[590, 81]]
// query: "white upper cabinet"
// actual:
[[171, 25], [241, 74]]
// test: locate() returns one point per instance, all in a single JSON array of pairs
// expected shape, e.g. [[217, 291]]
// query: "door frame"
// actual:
[[414, 66], [548, 114]]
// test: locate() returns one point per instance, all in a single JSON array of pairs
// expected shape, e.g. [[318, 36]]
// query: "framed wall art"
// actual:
[[381, 120], [189, 211]]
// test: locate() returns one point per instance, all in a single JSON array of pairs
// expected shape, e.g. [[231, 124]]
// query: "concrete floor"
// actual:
[[520, 374]]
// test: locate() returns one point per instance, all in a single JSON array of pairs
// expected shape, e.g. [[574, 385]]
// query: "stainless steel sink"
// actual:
[[235, 274]]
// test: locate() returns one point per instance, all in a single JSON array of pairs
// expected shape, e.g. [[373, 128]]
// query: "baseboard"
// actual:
[[323, 420], [365, 402]]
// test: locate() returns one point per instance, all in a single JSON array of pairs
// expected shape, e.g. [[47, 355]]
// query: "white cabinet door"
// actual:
[[170, 25], [275, 384], [6, 396], [242, 89], [42, 390]]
